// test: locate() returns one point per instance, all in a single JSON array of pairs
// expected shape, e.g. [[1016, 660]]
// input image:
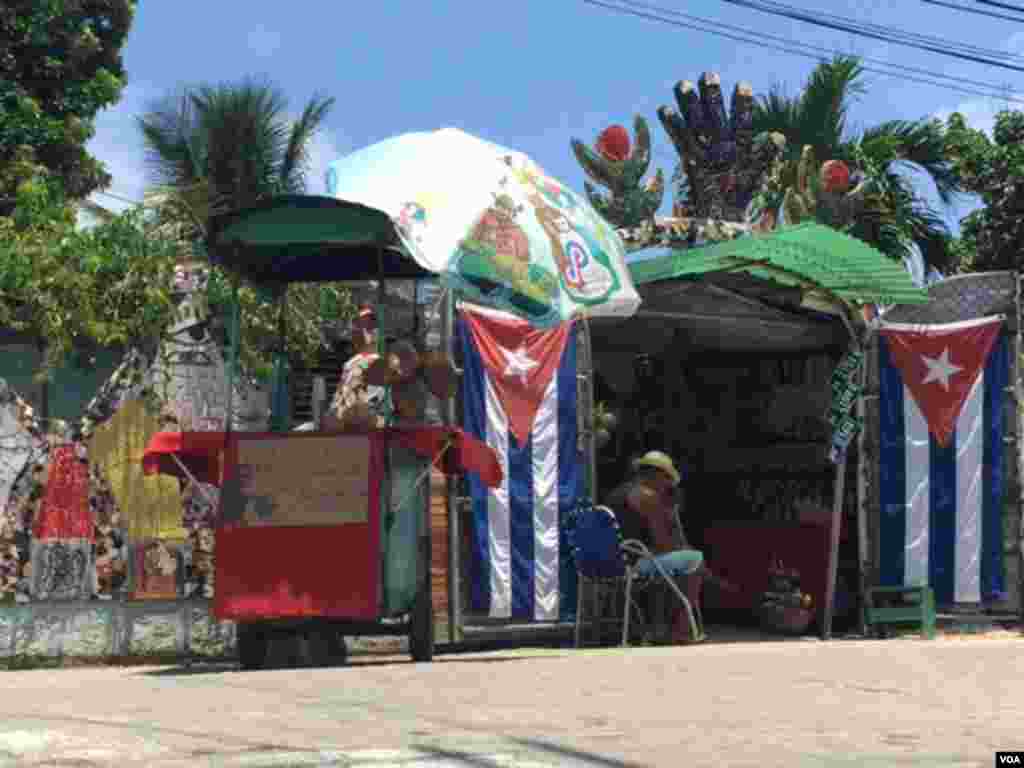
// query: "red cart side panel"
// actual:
[[296, 572], [278, 572]]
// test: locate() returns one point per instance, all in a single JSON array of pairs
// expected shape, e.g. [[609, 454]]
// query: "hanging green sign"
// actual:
[[846, 389]]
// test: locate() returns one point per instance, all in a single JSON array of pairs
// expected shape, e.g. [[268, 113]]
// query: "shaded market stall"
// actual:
[[784, 295], [748, 352]]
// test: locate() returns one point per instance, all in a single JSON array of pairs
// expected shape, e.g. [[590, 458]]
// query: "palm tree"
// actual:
[[884, 160], [227, 146], [212, 148]]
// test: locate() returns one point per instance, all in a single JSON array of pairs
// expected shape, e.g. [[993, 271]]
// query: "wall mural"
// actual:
[[190, 374], [60, 508], [19, 445], [153, 504], [70, 495]]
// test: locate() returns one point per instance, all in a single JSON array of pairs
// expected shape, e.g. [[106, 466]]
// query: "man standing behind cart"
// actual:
[[374, 394], [357, 403]]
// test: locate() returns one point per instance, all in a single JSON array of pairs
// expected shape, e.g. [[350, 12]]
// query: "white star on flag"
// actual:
[[519, 364], [940, 369]]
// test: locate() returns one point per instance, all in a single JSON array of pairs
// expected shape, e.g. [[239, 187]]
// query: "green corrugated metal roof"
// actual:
[[808, 254]]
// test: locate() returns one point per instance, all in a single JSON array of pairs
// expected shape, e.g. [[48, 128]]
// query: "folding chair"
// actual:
[[637, 554], [604, 563]]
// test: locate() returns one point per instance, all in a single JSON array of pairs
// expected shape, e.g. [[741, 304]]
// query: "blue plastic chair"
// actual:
[[603, 559]]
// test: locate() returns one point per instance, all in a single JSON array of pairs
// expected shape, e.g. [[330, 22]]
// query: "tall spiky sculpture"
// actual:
[[722, 167], [620, 167], [723, 162]]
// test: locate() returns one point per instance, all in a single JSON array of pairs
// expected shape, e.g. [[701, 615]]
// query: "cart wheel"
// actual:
[[421, 634], [337, 651], [252, 646], [309, 648], [320, 648]]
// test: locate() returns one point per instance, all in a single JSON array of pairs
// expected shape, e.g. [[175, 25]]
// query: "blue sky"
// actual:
[[528, 74]]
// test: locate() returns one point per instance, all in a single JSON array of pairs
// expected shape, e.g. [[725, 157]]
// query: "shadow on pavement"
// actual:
[[724, 634], [224, 667], [478, 761], [364, 661], [563, 753], [149, 729], [587, 758]]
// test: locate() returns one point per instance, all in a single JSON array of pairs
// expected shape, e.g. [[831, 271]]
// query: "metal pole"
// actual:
[[452, 507], [837, 501], [863, 560], [385, 490], [280, 419], [416, 314], [234, 335], [587, 408], [319, 400], [44, 388], [1018, 402], [833, 548]]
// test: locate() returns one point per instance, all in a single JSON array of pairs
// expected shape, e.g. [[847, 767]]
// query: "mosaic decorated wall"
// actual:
[[78, 519]]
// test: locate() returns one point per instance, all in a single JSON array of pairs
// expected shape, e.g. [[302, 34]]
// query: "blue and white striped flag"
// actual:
[[519, 396], [942, 479]]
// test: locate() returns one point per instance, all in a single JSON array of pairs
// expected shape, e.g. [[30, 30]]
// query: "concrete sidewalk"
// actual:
[[846, 703]]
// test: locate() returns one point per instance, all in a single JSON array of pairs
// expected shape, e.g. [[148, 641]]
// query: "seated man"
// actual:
[[645, 506]]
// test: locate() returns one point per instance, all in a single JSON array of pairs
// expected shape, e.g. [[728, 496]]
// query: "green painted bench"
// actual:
[[880, 612]]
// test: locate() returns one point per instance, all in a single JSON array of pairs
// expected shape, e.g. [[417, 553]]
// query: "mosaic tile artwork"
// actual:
[[92, 629]]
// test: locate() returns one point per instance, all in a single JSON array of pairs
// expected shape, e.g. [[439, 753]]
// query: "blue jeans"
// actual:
[[682, 562]]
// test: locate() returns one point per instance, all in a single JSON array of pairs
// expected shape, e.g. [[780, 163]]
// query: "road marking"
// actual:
[[17, 742]]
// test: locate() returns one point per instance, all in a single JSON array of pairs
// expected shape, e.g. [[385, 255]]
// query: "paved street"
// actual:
[[848, 703]]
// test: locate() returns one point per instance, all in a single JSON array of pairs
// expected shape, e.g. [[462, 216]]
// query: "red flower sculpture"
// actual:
[[613, 143], [835, 176]]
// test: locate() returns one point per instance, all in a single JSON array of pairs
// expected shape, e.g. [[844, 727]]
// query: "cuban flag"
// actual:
[[942, 479], [519, 396]]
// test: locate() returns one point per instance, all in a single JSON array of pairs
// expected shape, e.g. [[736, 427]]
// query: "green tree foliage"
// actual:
[[311, 311], [213, 148], [993, 169], [72, 290], [889, 214], [60, 63]]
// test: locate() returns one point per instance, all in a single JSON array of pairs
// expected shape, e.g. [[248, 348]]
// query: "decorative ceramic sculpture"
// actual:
[[723, 162], [620, 167], [722, 167], [828, 194]]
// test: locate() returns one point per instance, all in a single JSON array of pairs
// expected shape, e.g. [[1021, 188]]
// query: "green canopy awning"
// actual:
[[809, 255], [307, 238]]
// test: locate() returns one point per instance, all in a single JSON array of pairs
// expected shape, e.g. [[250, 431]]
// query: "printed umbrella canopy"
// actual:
[[492, 224]]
